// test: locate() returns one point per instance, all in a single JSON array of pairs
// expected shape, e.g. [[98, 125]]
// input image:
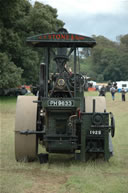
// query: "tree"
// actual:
[[109, 60], [124, 40], [19, 20], [10, 75], [43, 19]]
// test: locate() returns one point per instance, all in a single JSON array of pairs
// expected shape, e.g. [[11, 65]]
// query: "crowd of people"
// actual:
[[113, 90]]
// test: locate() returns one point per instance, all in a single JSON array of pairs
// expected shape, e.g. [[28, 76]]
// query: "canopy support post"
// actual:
[[74, 71]]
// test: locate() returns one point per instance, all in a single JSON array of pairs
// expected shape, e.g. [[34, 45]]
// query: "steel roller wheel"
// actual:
[[100, 104], [112, 125], [26, 114]]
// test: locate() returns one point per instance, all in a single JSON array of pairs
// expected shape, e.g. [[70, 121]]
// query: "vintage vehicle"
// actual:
[[61, 118]]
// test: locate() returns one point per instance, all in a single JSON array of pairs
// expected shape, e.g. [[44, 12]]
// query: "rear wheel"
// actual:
[[100, 104], [112, 126], [26, 146]]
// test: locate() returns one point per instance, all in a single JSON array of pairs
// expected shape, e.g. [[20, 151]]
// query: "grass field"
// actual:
[[62, 174]]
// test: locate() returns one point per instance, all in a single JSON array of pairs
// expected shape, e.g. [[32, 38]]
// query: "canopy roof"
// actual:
[[61, 40]]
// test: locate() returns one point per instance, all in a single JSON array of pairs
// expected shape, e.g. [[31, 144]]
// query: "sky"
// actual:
[[108, 18]]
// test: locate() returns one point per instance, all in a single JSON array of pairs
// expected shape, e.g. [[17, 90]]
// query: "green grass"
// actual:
[[62, 174]]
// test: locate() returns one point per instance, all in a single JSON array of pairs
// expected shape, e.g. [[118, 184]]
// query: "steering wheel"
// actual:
[[80, 81]]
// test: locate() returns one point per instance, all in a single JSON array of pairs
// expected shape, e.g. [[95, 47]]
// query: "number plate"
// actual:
[[61, 103], [95, 132]]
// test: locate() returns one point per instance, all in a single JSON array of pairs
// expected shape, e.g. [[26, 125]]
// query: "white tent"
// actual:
[[122, 84]]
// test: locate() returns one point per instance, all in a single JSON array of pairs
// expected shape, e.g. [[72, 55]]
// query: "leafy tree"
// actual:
[[10, 42], [124, 40], [109, 60], [19, 20], [43, 19], [10, 75], [124, 66]]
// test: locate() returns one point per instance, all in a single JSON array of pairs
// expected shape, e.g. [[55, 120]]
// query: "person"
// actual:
[[113, 91], [102, 91], [70, 71], [123, 92], [23, 90]]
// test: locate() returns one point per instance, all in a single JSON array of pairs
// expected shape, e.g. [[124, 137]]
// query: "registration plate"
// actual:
[[61, 103], [95, 132]]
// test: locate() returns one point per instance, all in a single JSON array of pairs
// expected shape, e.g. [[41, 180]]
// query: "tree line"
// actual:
[[108, 60], [19, 64]]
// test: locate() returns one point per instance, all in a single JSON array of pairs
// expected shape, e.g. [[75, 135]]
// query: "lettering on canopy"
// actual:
[[61, 40], [61, 37]]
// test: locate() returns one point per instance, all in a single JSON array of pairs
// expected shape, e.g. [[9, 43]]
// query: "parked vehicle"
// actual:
[[61, 118]]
